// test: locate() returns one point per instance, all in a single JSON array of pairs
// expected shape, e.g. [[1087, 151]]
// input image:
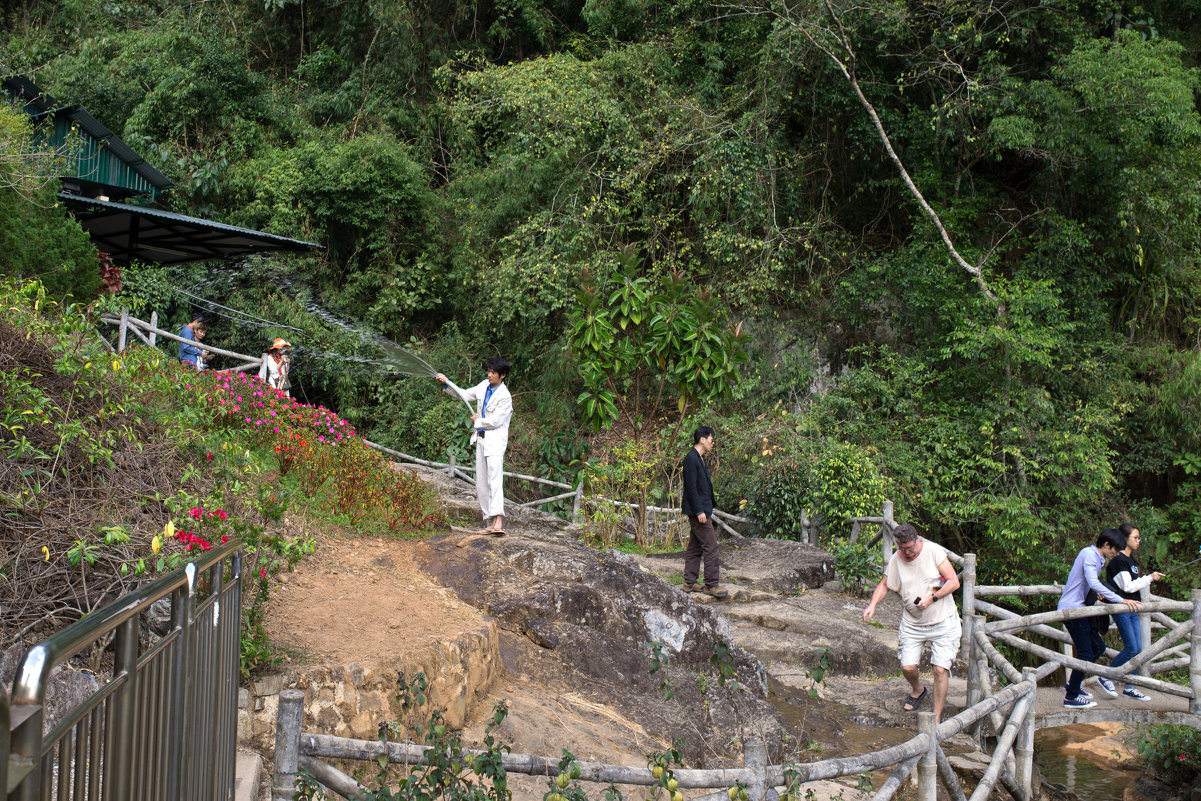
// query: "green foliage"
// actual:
[[856, 563], [39, 240], [1172, 753]]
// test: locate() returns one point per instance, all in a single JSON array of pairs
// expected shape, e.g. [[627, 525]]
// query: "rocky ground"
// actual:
[[573, 628]]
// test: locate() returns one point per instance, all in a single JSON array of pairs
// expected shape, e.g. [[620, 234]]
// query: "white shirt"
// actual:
[[494, 419]]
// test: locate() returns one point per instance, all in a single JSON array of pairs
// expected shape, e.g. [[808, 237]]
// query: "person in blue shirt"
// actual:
[[189, 354], [1085, 576]]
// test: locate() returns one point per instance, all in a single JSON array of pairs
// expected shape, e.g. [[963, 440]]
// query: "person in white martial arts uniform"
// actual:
[[490, 437]]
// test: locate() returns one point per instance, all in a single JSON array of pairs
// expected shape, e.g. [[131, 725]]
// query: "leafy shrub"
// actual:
[[847, 484], [1172, 752], [857, 564]]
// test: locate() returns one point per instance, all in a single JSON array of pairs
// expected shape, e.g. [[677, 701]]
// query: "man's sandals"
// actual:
[[494, 532], [913, 704]]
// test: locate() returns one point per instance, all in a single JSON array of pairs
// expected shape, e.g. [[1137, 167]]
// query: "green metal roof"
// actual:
[[98, 157]]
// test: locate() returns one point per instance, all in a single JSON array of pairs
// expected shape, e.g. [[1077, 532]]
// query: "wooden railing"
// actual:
[[1011, 712]]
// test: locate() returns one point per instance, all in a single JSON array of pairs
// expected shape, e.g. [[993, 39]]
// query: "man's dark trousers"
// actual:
[[1088, 646], [702, 542]]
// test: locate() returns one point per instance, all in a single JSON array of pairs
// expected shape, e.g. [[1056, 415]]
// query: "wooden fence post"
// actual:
[[754, 755], [927, 766], [1025, 741], [1144, 626], [450, 468], [287, 744], [887, 543], [974, 690], [969, 603], [122, 332], [153, 325], [1194, 668], [578, 502]]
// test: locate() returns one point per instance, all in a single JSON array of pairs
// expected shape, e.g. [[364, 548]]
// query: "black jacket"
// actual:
[[698, 488]]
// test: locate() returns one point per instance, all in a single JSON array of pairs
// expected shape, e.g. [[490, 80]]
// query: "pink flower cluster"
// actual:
[[190, 540], [253, 403], [196, 513]]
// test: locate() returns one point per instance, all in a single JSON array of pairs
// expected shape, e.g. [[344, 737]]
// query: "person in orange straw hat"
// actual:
[[277, 364]]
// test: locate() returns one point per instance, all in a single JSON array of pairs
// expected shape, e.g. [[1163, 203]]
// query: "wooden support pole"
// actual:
[[1002, 750], [888, 543], [1024, 749], [123, 331], [994, 656], [578, 503], [754, 757], [895, 779], [950, 781], [1194, 668], [974, 690], [927, 766], [968, 585], [153, 325], [287, 744], [333, 779]]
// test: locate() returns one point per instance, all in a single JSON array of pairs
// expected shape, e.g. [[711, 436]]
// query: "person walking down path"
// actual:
[[1085, 576], [490, 436], [189, 353], [1123, 574], [697, 505], [276, 366], [925, 579]]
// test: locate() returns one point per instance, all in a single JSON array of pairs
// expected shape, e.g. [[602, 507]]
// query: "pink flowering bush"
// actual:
[[322, 450]]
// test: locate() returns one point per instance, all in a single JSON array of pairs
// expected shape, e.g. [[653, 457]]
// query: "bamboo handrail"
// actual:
[[1115, 674], [135, 322], [1059, 615]]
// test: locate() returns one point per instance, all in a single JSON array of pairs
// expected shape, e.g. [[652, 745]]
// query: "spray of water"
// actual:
[[395, 357]]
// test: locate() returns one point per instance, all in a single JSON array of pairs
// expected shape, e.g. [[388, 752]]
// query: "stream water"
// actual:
[[832, 729], [1075, 773]]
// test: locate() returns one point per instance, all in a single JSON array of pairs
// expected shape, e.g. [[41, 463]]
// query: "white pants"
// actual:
[[489, 482]]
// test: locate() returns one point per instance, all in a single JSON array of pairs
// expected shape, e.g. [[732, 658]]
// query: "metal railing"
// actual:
[[165, 725]]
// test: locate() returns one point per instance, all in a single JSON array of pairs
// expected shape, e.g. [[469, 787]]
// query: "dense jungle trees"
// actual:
[[465, 164]]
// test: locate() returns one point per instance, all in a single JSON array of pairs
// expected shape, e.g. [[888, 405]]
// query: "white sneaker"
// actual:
[[1130, 692], [1080, 702], [1107, 686], [1085, 694]]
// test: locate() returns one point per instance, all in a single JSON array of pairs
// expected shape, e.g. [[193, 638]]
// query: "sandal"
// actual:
[[913, 704]]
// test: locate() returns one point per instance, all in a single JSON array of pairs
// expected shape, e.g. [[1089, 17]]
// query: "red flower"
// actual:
[[263, 573], [195, 512]]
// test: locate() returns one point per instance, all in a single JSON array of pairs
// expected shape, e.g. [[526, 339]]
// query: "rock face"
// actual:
[[774, 566], [597, 613]]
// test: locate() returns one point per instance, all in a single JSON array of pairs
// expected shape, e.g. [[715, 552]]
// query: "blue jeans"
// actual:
[[1132, 636], [1087, 644]]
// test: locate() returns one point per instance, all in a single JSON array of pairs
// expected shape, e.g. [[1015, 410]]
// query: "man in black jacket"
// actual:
[[698, 505]]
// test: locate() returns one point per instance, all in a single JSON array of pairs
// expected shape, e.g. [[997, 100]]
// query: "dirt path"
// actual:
[[363, 601]]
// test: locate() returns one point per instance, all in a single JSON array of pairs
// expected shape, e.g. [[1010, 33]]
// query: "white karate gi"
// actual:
[[489, 448]]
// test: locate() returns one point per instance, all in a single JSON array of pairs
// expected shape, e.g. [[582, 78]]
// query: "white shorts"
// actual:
[[943, 638]]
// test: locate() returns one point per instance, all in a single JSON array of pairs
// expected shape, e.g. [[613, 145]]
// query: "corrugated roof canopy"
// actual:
[[103, 159], [129, 233]]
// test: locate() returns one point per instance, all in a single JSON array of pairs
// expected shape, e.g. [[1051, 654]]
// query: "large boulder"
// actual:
[[597, 613]]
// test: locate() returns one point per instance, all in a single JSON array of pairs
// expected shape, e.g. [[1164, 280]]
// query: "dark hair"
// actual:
[[1127, 529], [501, 366], [1112, 536], [198, 317], [904, 533], [700, 433]]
